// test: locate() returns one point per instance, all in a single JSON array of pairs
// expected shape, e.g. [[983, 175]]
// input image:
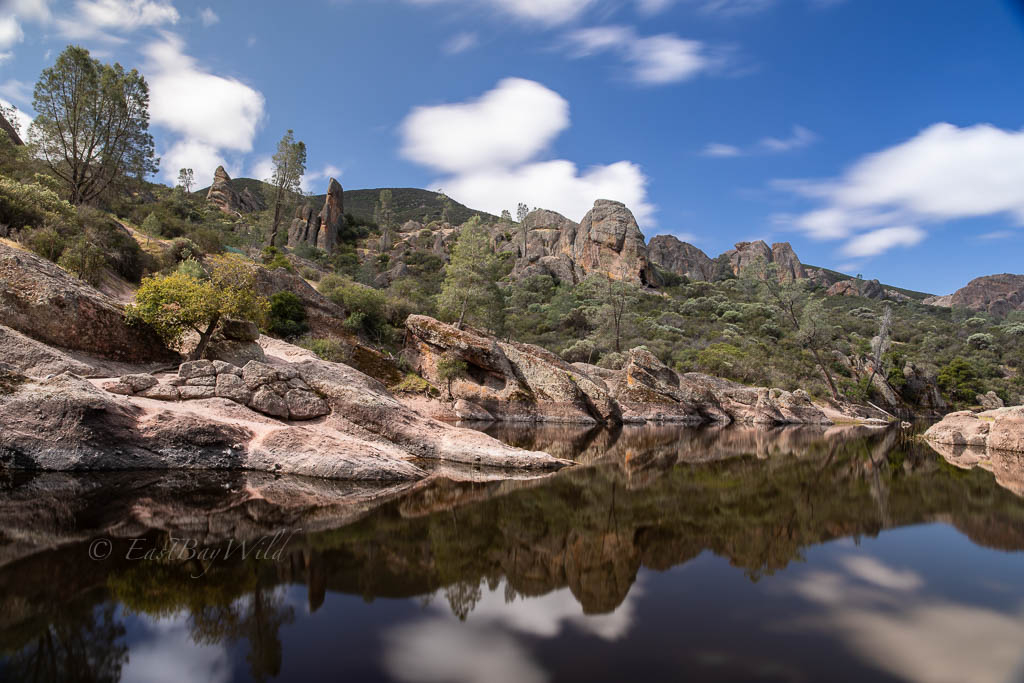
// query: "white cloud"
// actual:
[[653, 6], [212, 114], [997, 235], [201, 157], [873, 571], [732, 8], [717, 149], [653, 60], [555, 185], [944, 173], [316, 181], [882, 240], [489, 147], [461, 42], [29, 10], [100, 19], [21, 119], [546, 12], [507, 125], [262, 168], [18, 91], [10, 32], [208, 17], [801, 137]]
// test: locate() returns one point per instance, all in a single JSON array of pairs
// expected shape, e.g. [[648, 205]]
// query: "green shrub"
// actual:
[[327, 349], [46, 242], [287, 315], [31, 204], [83, 260]]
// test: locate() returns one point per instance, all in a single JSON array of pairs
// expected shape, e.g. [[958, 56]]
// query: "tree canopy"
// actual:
[[92, 124]]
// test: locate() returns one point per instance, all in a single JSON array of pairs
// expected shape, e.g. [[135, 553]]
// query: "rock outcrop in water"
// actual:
[[1001, 429], [520, 382]]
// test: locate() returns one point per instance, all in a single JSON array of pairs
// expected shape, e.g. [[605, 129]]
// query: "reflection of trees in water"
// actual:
[[656, 499], [229, 603], [76, 646]]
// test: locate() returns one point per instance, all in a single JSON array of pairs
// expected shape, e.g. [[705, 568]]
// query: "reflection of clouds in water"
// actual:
[[910, 634], [441, 648], [167, 653], [544, 616]]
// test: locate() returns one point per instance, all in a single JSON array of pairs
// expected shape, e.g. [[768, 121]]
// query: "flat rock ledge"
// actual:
[[292, 414]]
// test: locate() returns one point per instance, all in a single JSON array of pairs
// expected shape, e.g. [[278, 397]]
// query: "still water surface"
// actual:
[[670, 554]]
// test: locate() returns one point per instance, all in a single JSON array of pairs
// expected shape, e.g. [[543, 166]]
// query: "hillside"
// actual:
[[408, 203]]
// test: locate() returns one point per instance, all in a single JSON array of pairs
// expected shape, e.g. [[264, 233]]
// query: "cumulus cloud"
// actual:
[[943, 173], [167, 652], [212, 115], [545, 12], [461, 42], [102, 19], [18, 91], [208, 17], [21, 120], [490, 148], [10, 32], [653, 60], [508, 125]]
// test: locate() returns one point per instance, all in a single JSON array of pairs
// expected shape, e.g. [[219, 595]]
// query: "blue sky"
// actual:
[[881, 137]]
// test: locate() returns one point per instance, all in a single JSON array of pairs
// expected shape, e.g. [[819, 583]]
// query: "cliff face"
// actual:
[[995, 294]]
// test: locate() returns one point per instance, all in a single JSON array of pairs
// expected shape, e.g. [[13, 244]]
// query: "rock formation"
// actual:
[[520, 382], [609, 242], [323, 229], [1001, 429], [42, 301], [753, 258], [218, 416], [680, 258], [868, 289], [224, 196], [996, 294]]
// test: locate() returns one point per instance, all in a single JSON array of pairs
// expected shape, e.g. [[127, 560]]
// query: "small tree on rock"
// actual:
[[289, 166], [178, 303]]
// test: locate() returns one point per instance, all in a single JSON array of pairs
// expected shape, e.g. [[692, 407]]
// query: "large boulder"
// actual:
[[508, 380], [680, 258], [42, 301], [609, 242]]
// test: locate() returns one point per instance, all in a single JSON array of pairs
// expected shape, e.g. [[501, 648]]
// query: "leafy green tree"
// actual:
[[289, 166], [960, 380], [808, 318], [470, 288], [92, 124], [178, 303]]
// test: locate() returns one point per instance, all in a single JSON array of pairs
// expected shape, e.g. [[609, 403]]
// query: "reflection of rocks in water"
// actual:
[[654, 497], [1006, 466]]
